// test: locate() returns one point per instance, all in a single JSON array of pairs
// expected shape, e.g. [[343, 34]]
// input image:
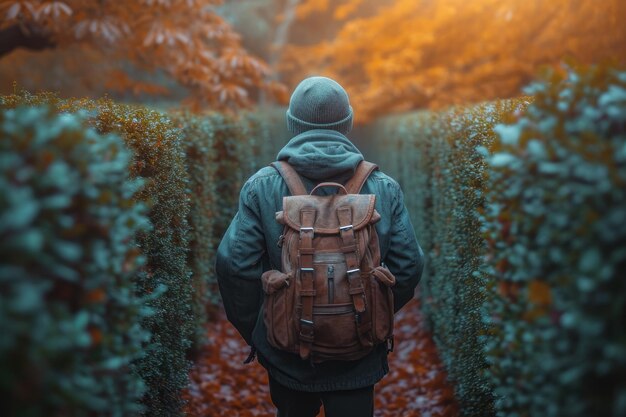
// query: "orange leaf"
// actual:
[[539, 293]]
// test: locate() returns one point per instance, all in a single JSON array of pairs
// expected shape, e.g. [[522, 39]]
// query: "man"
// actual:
[[319, 115]]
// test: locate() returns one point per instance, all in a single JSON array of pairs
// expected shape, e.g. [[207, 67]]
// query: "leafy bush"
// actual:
[[524, 230], [197, 136], [556, 228], [193, 167], [222, 151], [71, 322], [433, 156], [159, 159]]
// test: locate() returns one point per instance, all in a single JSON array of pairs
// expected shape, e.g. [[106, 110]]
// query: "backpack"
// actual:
[[333, 298]]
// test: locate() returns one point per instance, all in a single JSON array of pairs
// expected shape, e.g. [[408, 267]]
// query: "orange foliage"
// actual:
[[539, 293], [415, 54], [185, 39], [342, 9]]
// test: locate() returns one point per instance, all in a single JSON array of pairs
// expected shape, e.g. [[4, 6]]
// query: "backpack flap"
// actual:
[[326, 207]]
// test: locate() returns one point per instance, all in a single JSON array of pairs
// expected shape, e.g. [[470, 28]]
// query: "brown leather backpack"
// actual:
[[332, 299]]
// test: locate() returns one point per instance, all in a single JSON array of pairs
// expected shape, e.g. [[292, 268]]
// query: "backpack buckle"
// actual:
[[344, 228], [306, 229], [306, 322]]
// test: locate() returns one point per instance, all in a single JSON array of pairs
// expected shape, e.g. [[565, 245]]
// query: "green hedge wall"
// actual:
[[159, 160], [556, 228], [433, 157], [241, 147], [519, 331], [71, 320], [222, 152], [193, 168]]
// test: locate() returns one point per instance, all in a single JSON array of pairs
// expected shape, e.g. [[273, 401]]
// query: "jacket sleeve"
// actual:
[[239, 264], [404, 258]]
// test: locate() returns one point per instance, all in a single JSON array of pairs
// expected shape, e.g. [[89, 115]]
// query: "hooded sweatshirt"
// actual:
[[321, 155], [249, 248]]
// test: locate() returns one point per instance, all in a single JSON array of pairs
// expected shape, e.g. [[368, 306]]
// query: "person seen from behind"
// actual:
[[307, 280]]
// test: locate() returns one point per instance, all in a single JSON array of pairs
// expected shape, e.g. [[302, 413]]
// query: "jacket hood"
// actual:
[[322, 154]]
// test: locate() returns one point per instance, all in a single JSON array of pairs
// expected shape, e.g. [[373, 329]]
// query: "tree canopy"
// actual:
[[391, 55], [415, 54], [185, 39]]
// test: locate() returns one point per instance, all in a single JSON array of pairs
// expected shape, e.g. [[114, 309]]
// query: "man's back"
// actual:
[[251, 247]]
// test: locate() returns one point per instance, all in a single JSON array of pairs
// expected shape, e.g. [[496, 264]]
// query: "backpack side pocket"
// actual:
[[382, 304], [275, 309]]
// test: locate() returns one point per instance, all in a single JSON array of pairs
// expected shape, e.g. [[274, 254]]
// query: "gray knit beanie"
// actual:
[[319, 103]]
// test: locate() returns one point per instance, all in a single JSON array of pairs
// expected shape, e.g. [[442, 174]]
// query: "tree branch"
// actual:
[[282, 33], [281, 36], [14, 37]]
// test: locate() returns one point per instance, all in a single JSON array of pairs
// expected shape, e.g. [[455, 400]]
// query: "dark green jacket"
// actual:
[[249, 247]]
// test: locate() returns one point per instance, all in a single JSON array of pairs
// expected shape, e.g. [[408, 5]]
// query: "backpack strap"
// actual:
[[357, 291], [363, 171], [291, 177], [307, 280]]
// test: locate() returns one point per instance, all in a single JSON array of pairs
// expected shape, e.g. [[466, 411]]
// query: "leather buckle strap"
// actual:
[[308, 339], [357, 291], [307, 281], [305, 248], [350, 250]]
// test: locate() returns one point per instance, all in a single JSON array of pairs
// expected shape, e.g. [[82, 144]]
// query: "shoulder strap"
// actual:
[[291, 177], [363, 171]]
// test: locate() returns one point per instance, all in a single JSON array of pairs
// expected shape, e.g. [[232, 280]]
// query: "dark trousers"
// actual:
[[351, 403]]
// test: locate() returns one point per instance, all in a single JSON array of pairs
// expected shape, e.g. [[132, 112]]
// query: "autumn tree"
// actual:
[[392, 55], [185, 39], [268, 26], [415, 54]]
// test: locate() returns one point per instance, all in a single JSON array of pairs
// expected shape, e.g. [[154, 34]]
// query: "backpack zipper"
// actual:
[[331, 284]]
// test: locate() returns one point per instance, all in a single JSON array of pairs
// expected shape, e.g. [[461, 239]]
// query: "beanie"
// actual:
[[319, 103]]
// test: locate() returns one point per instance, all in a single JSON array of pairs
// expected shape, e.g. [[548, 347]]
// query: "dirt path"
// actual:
[[416, 386]]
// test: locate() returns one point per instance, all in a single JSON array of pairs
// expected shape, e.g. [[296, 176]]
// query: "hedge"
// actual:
[[159, 160], [521, 329], [70, 318], [222, 151], [432, 156], [193, 168], [556, 229], [242, 147]]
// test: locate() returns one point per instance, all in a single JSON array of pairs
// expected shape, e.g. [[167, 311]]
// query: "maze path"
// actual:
[[416, 385]]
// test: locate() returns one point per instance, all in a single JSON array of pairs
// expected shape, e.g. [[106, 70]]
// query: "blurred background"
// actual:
[[391, 55]]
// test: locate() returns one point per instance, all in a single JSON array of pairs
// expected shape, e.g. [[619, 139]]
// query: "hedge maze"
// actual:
[[110, 215]]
